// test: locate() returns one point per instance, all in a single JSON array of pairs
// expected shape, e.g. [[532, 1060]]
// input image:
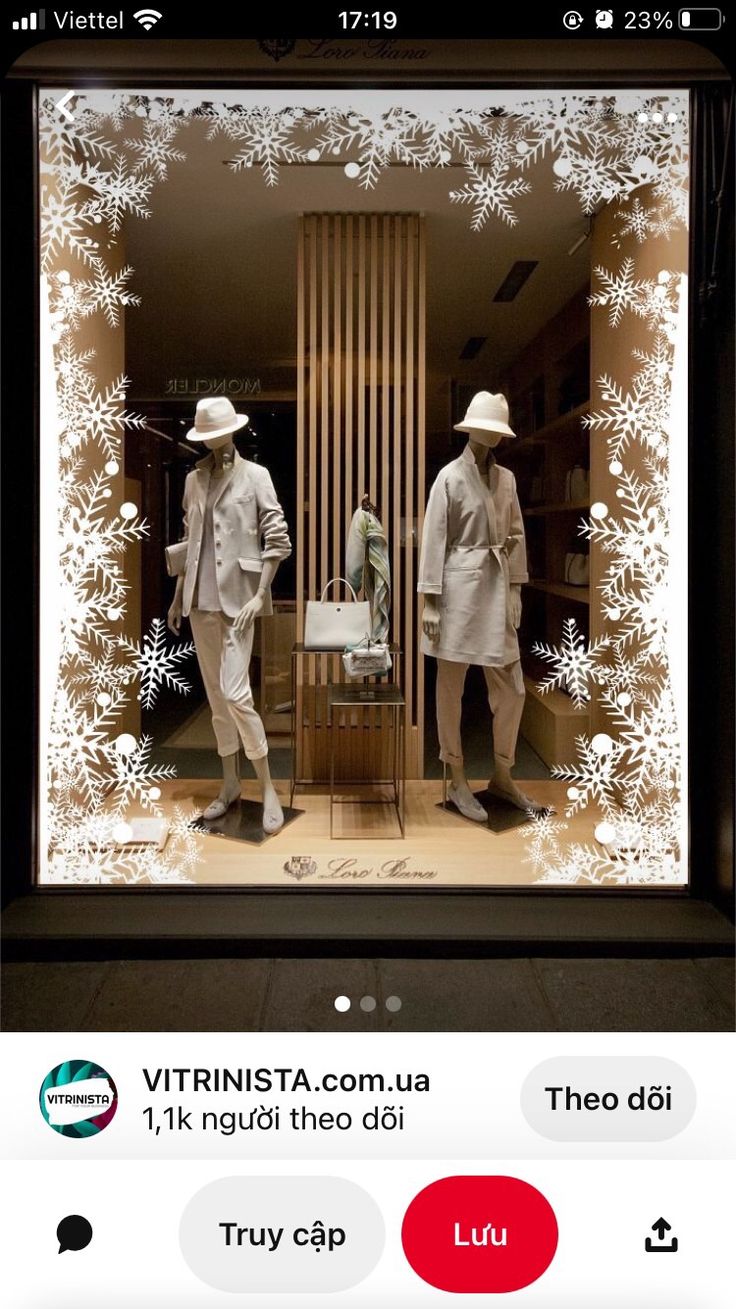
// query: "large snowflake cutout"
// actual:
[[156, 662], [155, 150], [576, 663], [266, 140], [620, 291]]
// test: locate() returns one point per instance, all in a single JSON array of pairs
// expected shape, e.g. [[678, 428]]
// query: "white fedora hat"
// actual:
[[215, 417], [486, 413]]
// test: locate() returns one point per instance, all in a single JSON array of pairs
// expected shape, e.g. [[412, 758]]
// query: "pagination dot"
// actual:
[[368, 1004], [342, 1004], [393, 1004]]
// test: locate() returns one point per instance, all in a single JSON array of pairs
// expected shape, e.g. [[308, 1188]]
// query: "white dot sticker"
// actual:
[[103, 699], [112, 467], [352, 170], [624, 699], [573, 793], [615, 467], [601, 744], [562, 167], [125, 744], [128, 509], [154, 793], [122, 832], [605, 833], [599, 509], [313, 155]]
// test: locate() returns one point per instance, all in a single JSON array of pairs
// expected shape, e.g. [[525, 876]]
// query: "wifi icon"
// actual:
[[148, 18]]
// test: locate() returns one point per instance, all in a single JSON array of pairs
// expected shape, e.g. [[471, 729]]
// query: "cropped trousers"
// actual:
[[506, 696], [224, 659]]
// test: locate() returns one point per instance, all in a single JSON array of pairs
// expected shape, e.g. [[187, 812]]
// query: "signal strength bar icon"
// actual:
[[35, 22], [148, 18]]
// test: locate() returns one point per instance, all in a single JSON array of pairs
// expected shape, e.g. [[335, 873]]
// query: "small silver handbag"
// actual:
[[176, 558], [335, 624], [369, 659]]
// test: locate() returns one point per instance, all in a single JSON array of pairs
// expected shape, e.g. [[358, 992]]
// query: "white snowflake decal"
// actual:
[[575, 663], [156, 662], [155, 150], [621, 291]]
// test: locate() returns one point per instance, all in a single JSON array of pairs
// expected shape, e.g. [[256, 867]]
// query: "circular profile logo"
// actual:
[[78, 1098]]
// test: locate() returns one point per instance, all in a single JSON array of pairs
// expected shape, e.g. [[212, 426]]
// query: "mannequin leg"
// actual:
[[207, 633], [229, 791], [506, 697], [273, 814], [236, 688], [450, 683]]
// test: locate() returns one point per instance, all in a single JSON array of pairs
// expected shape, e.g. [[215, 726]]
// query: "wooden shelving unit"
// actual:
[[566, 507], [578, 594], [548, 389]]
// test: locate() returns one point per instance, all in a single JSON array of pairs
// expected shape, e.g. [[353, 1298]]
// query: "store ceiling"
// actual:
[[215, 266]]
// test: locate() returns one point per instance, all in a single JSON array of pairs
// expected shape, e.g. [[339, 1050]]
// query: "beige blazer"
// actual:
[[473, 548], [249, 526]]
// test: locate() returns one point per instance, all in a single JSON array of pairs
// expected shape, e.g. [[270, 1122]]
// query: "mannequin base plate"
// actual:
[[502, 815], [243, 822]]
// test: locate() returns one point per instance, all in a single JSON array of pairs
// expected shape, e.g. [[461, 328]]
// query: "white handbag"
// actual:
[[335, 624], [577, 485], [577, 569]]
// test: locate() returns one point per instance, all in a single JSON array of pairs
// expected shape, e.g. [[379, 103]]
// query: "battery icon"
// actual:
[[700, 20]]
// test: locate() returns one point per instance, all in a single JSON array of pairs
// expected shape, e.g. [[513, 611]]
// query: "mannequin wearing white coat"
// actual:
[[224, 462], [473, 562]]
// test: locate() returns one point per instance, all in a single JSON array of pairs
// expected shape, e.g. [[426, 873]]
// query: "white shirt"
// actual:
[[207, 595]]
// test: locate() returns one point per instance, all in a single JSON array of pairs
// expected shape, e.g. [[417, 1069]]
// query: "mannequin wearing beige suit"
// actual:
[[230, 507], [472, 566]]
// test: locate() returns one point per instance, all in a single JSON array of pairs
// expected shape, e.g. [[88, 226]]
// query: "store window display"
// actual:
[[472, 566], [236, 536]]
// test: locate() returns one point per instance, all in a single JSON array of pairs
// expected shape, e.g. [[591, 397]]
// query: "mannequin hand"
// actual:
[[431, 620], [515, 603], [173, 617], [248, 614]]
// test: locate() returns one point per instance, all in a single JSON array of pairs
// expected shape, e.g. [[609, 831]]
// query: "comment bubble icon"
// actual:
[[73, 1233]]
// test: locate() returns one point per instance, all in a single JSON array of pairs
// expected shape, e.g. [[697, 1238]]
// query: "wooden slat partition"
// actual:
[[360, 425]]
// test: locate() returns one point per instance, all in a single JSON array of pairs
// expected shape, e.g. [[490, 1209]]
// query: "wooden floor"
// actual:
[[440, 847]]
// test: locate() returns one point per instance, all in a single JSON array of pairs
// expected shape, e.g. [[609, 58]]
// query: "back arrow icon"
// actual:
[[61, 105]]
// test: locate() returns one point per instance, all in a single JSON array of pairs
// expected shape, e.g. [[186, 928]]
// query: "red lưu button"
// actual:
[[488, 1234]]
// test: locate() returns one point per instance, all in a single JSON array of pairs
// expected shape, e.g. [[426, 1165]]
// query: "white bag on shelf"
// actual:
[[577, 569], [335, 624]]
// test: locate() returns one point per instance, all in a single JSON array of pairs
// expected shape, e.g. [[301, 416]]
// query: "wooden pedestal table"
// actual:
[[359, 698], [325, 677]]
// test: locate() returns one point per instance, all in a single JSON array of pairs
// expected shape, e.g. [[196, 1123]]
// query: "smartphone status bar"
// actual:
[[391, 23]]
